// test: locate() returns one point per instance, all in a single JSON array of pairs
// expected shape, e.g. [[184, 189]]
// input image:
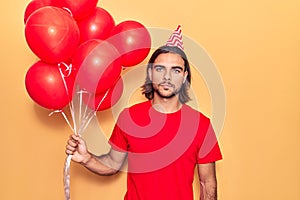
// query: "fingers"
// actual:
[[74, 137], [69, 152], [72, 144]]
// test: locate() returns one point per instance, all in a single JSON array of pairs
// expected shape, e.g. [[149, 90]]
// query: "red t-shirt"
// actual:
[[163, 150]]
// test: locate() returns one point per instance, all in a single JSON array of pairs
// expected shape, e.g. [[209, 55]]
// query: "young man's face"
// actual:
[[167, 74]]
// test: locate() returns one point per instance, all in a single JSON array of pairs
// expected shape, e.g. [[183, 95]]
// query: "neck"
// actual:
[[166, 105]]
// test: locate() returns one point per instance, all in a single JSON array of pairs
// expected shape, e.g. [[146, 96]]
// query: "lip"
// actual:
[[166, 85]]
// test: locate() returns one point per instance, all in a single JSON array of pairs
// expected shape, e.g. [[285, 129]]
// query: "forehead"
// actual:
[[169, 59]]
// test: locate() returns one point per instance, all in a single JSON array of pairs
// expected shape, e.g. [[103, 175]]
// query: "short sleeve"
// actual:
[[118, 139], [209, 150]]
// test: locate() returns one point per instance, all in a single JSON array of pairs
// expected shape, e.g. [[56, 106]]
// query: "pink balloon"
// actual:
[[45, 85], [52, 34], [79, 8], [97, 25], [97, 65]]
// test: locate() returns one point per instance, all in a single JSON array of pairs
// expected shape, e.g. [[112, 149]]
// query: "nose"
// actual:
[[167, 75]]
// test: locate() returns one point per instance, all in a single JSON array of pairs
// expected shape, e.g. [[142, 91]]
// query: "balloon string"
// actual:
[[68, 160], [83, 123], [82, 128], [86, 107], [80, 107], [67, 177], [71, 106], [64, 115], [73, 117], [68, 68], [103, 99], [80, 117], [93, 113], [86, 120]]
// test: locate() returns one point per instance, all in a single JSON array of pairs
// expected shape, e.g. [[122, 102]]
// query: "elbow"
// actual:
[[111, 172], [209, 188], [210, 183], [112, 167]]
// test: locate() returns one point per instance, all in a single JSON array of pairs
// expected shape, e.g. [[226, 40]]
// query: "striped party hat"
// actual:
[[176, 39]]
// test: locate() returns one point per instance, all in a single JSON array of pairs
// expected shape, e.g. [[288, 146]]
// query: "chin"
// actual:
[[165, 95]]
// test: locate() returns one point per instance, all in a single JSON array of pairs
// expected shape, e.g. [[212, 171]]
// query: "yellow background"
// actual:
[[256, 46]]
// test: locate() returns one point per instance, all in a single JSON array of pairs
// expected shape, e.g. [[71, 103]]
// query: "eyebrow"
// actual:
[[173, 67], [177, 67]]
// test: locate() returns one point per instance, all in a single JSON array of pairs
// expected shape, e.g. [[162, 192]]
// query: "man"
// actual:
[[163, 138]]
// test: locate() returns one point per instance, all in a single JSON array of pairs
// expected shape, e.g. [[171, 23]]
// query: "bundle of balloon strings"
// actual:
[[81, 115]]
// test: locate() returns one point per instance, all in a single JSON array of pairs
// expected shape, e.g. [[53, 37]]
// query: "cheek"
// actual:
[[178, 80], [155, 81], [156, 78]]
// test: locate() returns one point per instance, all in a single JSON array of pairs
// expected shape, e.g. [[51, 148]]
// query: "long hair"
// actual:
[[148, 89]]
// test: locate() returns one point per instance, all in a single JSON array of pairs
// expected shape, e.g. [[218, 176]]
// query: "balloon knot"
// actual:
[[68, 10], [68, 69], [55, 111]]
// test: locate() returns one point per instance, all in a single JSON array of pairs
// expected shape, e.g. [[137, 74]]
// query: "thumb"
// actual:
[[80, 140], [82, 147]]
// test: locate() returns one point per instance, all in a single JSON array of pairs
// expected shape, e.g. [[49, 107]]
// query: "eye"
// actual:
[[159, 68], [176, 71]]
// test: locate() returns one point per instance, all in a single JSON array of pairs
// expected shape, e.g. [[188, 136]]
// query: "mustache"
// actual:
[[166, 83]]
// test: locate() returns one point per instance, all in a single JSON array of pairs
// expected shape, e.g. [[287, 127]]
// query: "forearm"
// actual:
[[101, 165], [208, 191]]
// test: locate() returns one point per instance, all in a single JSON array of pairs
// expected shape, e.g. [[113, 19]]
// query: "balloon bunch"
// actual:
[[77, 36], [81, 53]]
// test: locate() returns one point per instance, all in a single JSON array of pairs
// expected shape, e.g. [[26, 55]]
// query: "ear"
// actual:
[[149, 73], [185, 76]]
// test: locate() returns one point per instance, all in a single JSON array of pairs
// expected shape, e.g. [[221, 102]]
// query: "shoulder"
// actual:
[[198, 114], [189, 109], [136, 109], [136, 114], [138, 106]]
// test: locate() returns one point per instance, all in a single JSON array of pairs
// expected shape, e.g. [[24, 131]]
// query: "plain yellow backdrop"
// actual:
[[256, 47]]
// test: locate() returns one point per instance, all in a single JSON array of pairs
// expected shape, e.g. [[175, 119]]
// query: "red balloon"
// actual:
[[79, 8], [107, 100], [132, 40], [81, 53], [45, 85], [98, 25], [34, 5], [97, 65], [52, 34]]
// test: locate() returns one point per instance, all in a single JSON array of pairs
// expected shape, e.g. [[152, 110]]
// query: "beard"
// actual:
[[166, 96]]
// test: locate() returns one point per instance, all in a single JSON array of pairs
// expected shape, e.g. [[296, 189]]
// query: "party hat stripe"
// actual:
[[174, 42], [179, 44], [176, 39]]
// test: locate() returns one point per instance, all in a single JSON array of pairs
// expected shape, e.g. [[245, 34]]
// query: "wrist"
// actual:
[[86, 159]]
